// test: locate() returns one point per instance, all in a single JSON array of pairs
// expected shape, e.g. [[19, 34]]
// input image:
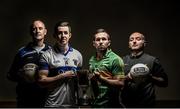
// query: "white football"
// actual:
[[139, 70], [30, 70]]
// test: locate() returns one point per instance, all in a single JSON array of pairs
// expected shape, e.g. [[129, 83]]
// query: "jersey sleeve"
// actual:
[[80, 58], [12, 74], [118, 67], [43, 62], [158, 71]]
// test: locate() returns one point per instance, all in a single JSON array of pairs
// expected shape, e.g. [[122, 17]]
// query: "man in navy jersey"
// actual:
[[25, 66], [143, 72], [57, 69]]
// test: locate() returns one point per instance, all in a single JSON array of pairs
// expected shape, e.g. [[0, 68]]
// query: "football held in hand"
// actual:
[[139, 72], [30, 70]]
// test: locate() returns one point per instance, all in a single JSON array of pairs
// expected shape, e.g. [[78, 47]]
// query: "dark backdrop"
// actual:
[[158, 20]]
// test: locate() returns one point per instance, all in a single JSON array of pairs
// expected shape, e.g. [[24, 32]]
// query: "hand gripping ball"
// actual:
[[30, 70], [139, 72]]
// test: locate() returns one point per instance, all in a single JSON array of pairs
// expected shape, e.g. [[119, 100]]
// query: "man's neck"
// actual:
[[100, 54], [63, 48], [136, 53], [39, 43]]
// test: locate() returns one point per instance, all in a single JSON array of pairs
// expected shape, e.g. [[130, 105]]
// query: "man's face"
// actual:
[[136, 41], [63, 35], [101, 41], [38, 30]]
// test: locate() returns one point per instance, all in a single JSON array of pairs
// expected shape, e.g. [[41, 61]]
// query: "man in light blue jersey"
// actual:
[[57, 69]]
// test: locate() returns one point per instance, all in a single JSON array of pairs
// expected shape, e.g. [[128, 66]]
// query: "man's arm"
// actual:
[[43, 79], [117, 74], [114, 81], [159, 77], [49, 82], [13, 73]]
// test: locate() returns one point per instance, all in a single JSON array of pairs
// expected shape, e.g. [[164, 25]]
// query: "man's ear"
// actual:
[[109, 43], [70, 34], [54, 35], [145, 43], [129, 45], [45, 32], [31, 32], [94, 43]]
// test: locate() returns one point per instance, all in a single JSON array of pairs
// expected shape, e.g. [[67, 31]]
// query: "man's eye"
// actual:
[[131, 40], [138, 38], [65, 32], [36, 28], [40, 28], [60, 32], [103, 39], [97, 39]]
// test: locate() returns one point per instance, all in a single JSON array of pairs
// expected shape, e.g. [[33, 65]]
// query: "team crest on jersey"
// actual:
[[66, 60], [75, 62]]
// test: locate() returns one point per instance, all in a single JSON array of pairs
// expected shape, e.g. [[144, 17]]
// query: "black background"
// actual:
[[158, 20]]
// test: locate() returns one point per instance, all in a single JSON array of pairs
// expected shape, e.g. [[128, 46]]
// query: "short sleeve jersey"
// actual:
[[143, 93], [57, 62], [27, 92], [111, 63]]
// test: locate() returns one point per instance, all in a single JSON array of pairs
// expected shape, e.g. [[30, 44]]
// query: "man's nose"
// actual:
[[134, 41], [37, 30], [63, 34], [100, 40]]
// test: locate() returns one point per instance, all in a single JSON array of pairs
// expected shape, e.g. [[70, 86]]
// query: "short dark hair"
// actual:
[[101, 30], [61, 23]]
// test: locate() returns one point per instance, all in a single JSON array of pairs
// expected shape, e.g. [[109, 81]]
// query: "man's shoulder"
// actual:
[[126, 56], [113, 54], [115, 57], [92, 59], [76, 51], [144, 55], [148, 56], [48, 51], [24, 49], [47, 46]]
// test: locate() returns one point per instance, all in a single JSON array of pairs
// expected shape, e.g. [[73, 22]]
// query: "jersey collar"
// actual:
[[106, 54], [58, 50], [31, 46], [137, 55]]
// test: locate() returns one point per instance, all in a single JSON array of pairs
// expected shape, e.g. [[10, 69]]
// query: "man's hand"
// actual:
[[68, 74], [103, 74], [106, 74], [128, 76]]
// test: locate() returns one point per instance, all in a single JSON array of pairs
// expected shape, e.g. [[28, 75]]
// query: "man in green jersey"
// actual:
[[107, 68]]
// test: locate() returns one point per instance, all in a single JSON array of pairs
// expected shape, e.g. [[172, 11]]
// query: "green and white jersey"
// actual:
[[111, 63]]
